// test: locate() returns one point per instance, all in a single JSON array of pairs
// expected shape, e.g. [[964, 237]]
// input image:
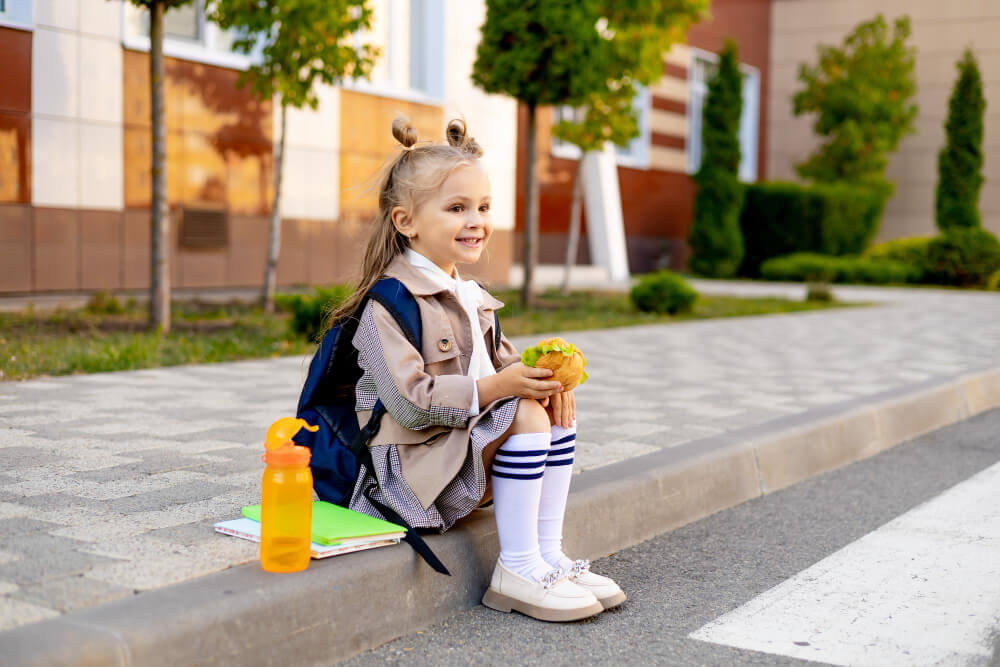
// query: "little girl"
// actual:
[[458, 407]]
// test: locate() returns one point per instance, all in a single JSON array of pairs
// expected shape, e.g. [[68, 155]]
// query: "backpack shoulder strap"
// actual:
[[395, 298]]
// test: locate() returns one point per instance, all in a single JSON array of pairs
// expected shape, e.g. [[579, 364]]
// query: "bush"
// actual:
[[811, 267], [715, 239], [993, 283], [960, 162], [784, 218], [909, 251], [965, 257], [309, 311], [663, 292], [104, 302]]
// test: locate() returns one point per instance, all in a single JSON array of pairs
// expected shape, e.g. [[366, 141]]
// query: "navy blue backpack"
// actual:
[[339, 448]]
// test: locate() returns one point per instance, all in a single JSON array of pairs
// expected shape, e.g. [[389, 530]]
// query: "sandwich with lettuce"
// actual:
[[564, 360]]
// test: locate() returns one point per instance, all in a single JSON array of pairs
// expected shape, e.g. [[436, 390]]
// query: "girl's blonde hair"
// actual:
[[405, 180]]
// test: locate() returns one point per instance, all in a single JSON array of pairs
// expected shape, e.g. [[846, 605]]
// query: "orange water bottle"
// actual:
[[285, 499]]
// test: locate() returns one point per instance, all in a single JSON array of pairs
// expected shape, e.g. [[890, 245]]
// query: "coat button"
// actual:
[[444, 344]]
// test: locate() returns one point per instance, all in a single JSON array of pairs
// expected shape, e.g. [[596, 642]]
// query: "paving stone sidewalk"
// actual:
[[110, 483]]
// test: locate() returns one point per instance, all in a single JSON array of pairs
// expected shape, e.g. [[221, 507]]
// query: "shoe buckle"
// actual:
[[552, 576], [579, 567]]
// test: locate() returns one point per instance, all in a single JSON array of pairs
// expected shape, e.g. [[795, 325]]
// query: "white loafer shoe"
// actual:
[[547, 596], [608, 593]]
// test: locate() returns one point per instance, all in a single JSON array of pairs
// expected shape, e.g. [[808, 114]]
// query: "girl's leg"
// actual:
[[517, 469], [555, 490]]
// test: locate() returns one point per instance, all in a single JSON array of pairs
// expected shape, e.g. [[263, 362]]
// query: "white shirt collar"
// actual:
[[432, 270]]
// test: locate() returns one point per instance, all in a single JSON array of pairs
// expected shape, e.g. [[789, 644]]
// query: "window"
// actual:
[[187, 34], [410, 36], [16, 13], [701, 71], [634, 154]]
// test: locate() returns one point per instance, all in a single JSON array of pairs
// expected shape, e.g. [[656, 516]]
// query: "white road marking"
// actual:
[[923, 589]]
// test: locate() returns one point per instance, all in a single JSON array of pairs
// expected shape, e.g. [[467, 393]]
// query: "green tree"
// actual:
[[300, 42], [961, 160], [159, 274], [540, 53], [861, 93], [639, 32], [715, 237]]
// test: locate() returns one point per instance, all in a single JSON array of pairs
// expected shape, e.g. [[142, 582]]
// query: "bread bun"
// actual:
[[564, 360]]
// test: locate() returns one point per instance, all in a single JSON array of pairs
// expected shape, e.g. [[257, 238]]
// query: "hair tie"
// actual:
[[408, 148]]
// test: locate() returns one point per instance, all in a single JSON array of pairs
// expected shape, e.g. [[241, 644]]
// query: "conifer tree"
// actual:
[[960, 162], [715, 237]]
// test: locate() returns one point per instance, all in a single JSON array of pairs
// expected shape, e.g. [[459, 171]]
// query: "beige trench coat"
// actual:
[[432, 381]]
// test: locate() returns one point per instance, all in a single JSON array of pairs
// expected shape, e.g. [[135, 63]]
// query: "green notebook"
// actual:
[[332, 524]]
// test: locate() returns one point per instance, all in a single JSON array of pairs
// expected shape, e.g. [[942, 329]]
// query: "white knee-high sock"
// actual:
[[555, 490], [517, 486]]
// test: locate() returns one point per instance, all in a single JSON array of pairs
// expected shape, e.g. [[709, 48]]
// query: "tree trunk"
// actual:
[[159, 280], [575, 210], [271, 272], [530, 214]]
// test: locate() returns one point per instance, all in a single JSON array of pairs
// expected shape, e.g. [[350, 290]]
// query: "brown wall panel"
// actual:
[[56, 249], [15, 248], [15, 84], [218, 139], [101, 251], [293, 263], [322, 252], [247, 251], [15, 116], [15, 157], [137, 249]]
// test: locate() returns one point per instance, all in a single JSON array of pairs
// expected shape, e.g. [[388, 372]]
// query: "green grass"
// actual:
[[112, 338]]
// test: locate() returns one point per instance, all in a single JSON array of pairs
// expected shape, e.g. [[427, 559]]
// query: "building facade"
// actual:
[[940, 32], [75, 147]]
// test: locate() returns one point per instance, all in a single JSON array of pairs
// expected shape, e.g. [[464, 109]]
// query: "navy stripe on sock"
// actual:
[[534, 452], [571, 436], [564, 462], [519, 464], [564, 450], [508, 475]]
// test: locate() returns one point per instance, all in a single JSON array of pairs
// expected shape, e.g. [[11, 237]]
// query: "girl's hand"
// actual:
[[562, 407], [528, 382]]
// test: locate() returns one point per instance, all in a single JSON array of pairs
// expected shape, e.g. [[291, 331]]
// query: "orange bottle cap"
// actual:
[[288, 454]]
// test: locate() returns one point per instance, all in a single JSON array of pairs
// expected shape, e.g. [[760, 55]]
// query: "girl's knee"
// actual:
[[530, 417]]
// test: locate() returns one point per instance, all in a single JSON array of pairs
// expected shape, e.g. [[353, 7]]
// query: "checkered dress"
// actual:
[[465, 491]]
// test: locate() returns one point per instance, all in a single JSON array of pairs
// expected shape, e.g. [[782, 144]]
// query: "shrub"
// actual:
[[812, 267], [783, 218], [965, 257], [909, 251], [861, 97], [960, 162], [715, 239], [663, 292], [309, 311], [104, 302], [993, 283]]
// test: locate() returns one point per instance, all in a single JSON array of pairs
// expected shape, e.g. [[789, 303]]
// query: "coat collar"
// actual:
[[420, 285]]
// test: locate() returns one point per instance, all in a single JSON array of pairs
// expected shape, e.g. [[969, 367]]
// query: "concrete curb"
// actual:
[[348, 604]]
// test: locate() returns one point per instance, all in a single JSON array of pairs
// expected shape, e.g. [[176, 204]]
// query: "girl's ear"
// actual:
[[402, 221]]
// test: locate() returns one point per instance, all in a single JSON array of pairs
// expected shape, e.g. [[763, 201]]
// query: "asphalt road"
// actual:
[[679, 581]]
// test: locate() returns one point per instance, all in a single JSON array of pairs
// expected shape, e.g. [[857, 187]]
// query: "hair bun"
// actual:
[[404, 132], [457, 137]]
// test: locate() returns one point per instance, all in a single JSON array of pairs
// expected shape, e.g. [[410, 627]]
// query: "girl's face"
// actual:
[[454, 223]]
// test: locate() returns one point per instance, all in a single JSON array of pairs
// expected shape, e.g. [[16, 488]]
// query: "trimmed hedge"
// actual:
[[909, 251], [965, 257], [663, 292], [831, 219], [309, 311], [812, 267]]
